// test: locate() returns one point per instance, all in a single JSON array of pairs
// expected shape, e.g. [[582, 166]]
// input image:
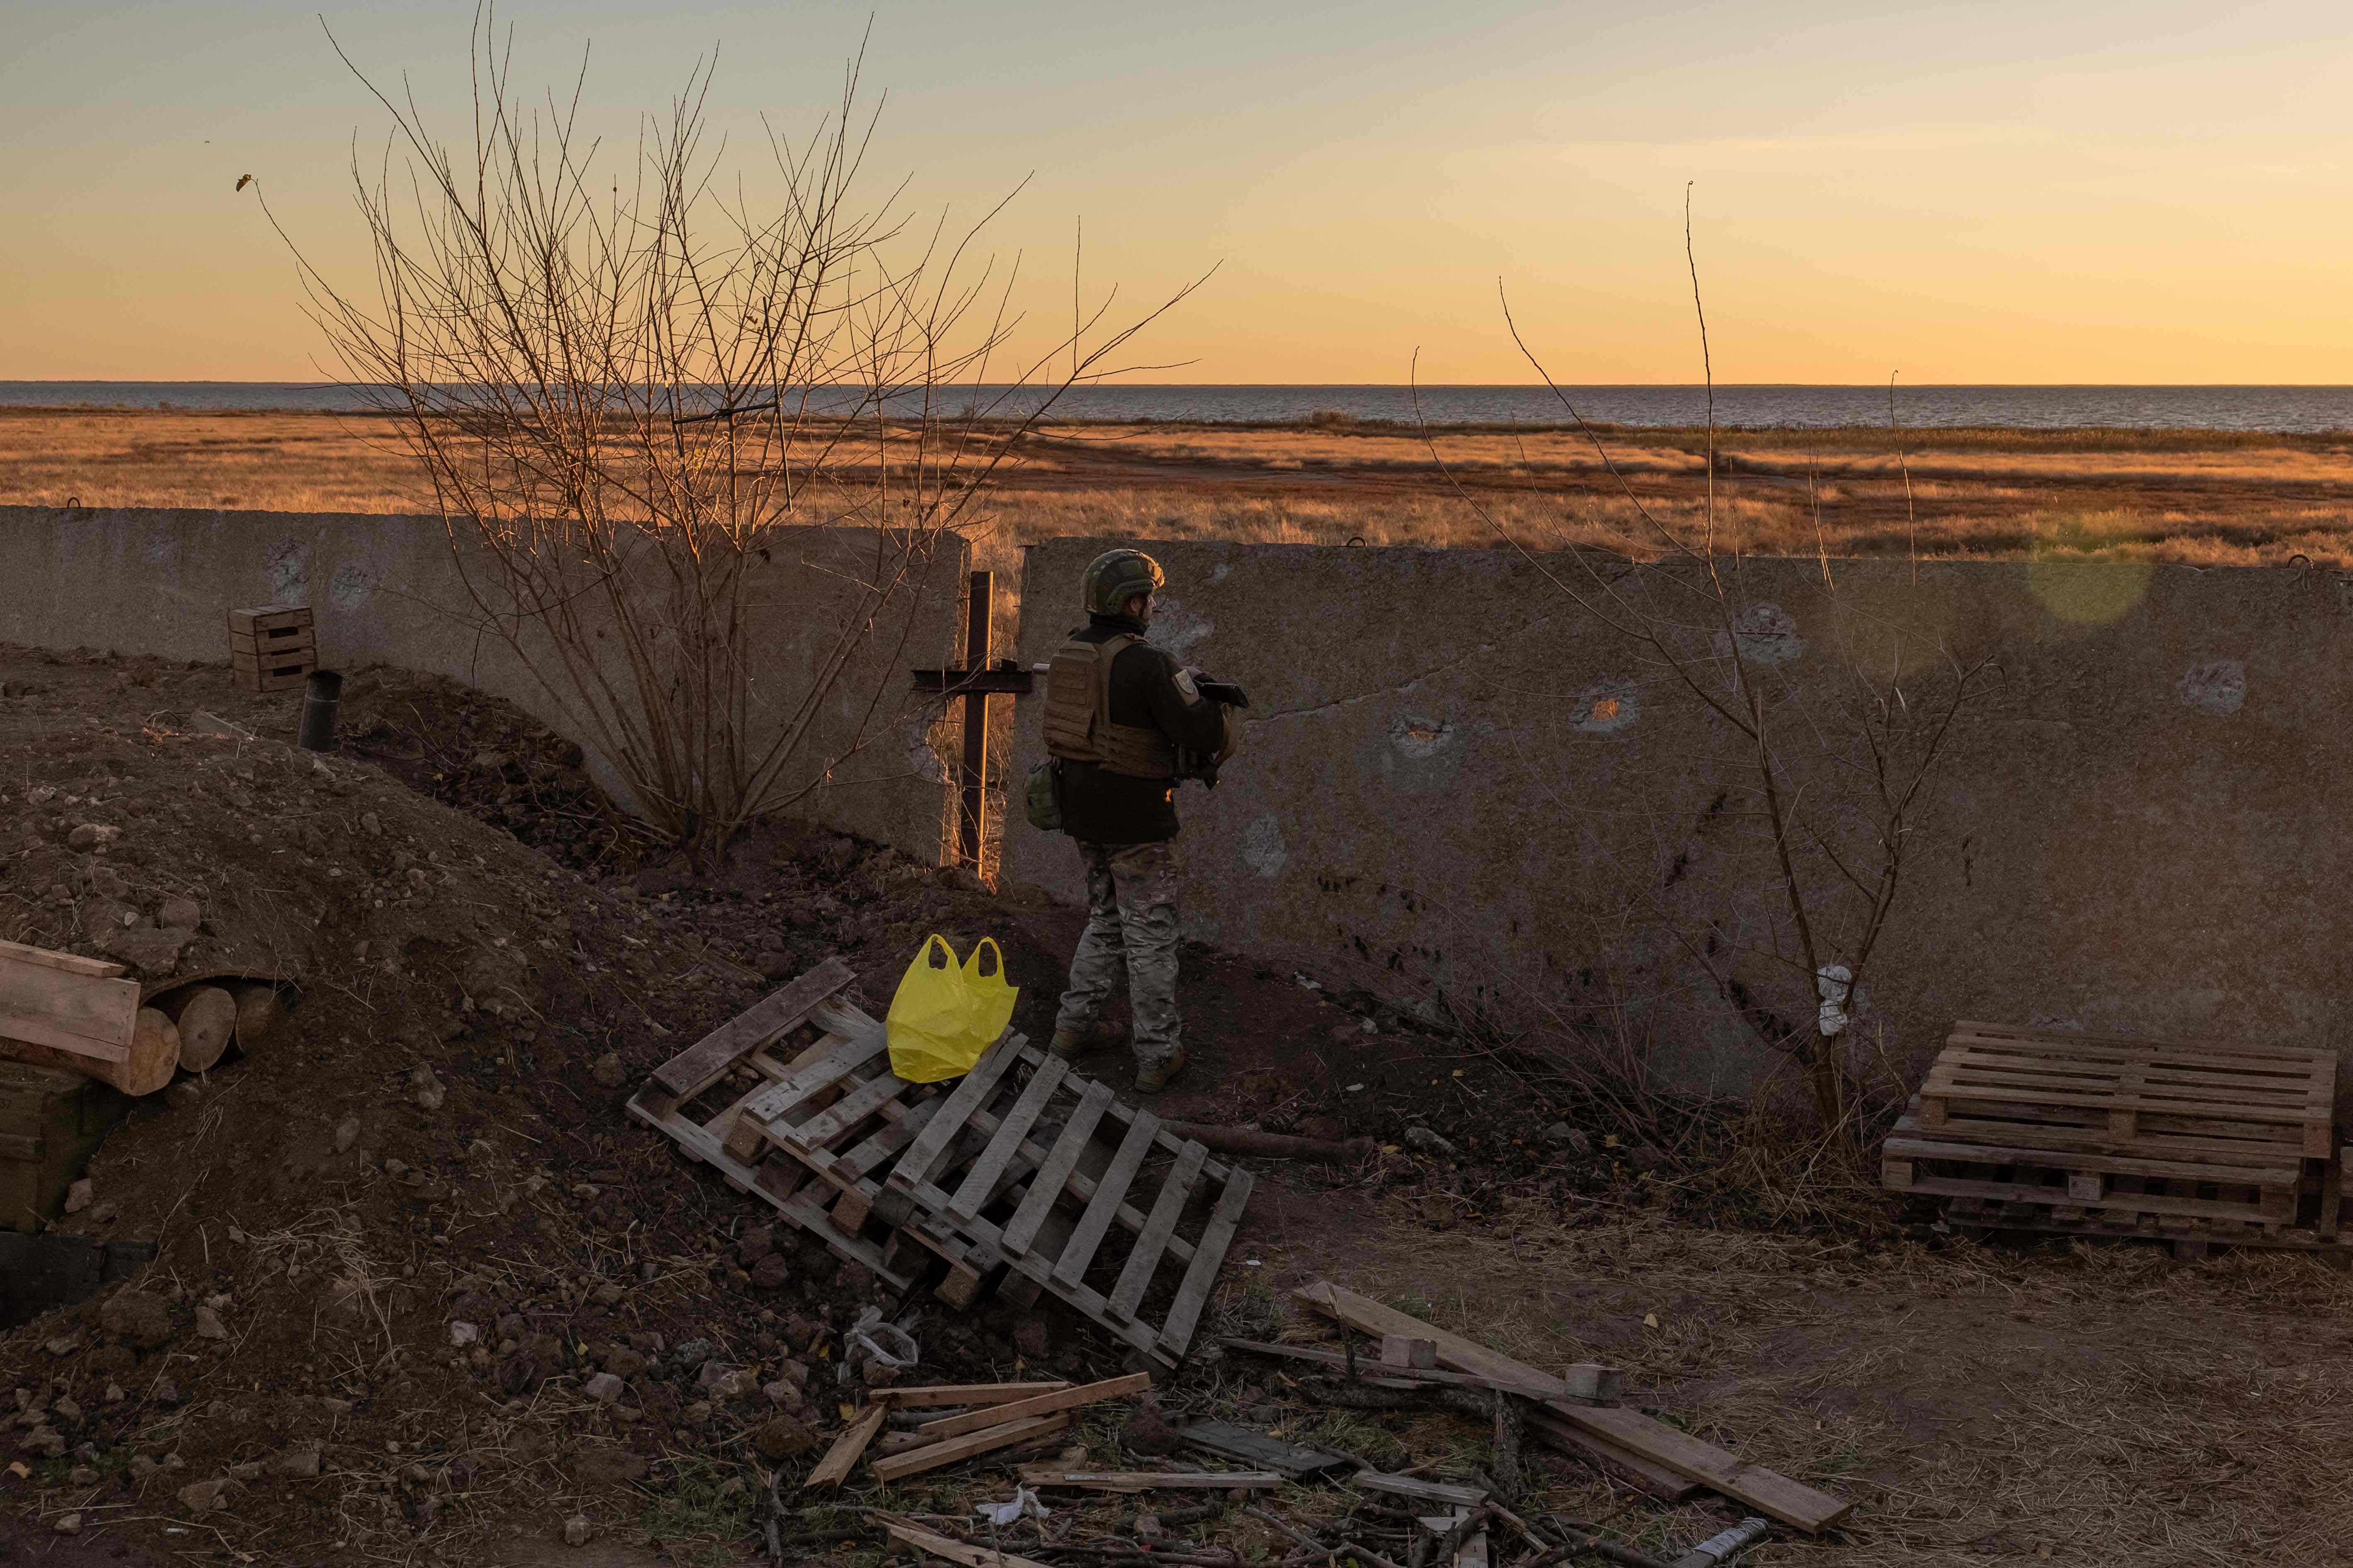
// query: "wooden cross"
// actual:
[[975, 682]]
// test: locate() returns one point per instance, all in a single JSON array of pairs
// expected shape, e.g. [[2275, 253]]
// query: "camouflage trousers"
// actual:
[[1131, 924]]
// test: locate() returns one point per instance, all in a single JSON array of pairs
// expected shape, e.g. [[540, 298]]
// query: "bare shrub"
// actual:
[[633, 388]]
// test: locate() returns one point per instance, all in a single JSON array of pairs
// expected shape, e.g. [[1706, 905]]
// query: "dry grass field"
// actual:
[[2199, 498]]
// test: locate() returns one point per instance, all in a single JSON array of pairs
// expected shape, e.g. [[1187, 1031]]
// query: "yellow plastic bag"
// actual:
[[945, 1016]]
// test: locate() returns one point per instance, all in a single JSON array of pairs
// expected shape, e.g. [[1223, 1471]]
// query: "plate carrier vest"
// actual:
[[1077, 714]]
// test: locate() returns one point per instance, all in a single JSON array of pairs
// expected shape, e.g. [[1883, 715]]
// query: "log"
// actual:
[[258, 1012], [1273, 1145], [206, 1016], [154, 1055]]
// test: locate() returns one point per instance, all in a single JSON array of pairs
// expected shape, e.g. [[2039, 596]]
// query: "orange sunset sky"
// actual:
[[1985, 192]]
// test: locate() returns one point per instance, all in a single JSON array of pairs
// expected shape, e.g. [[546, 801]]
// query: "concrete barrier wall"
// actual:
[[1461, 789], [388, 590]]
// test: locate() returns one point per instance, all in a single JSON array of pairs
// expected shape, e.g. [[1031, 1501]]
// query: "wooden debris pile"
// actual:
[[1021, 1176], [1388, 1520], [2029, 1130]]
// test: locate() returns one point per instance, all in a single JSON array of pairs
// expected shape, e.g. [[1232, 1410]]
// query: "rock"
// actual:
[[1427, 1143], [141, 1319], [347, 1132], [110, 884], [186, 914], [691, 1353], [1560, 1135], [205, 1495], [577, 1529], [783, 1393], [1263, 1414], [371, 824], [608, 1294], [45, 1441], [65, 1410], [114, 1394], [63, 1345], [610, 1467], [462, 1334], [395, 1167], [92, 836], [249, 1471], [1147, 1431], [166, 1392], [782, 1437], [519, 1373], [80, 1196], [427, 1089], [696, 1415], [142, 1466], [82, 1475], [103, 1214], [757, 1243], [607, 1070], [1147, 1525], [624, 1363], [210, 1325], [301, 1459], [70, 1524], [771, 1273], [604, 1388], [152, 952]]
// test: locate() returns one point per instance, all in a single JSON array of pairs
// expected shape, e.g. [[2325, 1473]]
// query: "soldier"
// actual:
[[1119, 712]]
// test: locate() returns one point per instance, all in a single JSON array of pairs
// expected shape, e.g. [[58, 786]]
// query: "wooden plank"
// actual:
[[854, 1106], [1651, 1480], [788, 1093], [981, 1180], [48, 1004], [71, 963], [1419, 1490], [1055, 1173], [953, 1551], [1587, 1381], [2117, 1198], [1791, 1502], [962, 1393], [1176, 1191], [1904, 1144], [848, 1450], [1151, 1480], [690, 1072], [915, 1167], [1404, 1350], [1266, 1453], [1071, 1268], [868, 1155], [274, 644], [1208, 1257], [261, 618], [932, 1456], [1039, 1405]]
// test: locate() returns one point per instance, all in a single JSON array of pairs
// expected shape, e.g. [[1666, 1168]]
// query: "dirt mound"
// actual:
[[417, 1278]]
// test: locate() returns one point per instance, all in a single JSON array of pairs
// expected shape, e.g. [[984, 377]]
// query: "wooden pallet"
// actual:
[[696, 1097], [2188, 1237], [272, 647], [1993, 1082], [1019, 1171], [1024, 1167]]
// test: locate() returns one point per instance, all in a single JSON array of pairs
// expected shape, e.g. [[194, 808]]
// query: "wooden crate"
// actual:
[[272, 647], [51, 1122]]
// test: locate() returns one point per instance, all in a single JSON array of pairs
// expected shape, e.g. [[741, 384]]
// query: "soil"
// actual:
[[405, 1231]]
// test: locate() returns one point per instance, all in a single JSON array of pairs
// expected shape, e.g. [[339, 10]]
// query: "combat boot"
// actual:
[[1070, 1045], [1152, 1076]]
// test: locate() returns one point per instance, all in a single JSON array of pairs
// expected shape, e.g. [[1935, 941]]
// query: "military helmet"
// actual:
[[1117, 576]]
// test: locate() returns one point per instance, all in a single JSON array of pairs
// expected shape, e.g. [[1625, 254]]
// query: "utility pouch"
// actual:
[[1045, 802]]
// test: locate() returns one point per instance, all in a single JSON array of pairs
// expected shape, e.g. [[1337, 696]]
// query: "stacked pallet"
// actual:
[[271, 647], [1019, 1175], [2023, 1128]]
